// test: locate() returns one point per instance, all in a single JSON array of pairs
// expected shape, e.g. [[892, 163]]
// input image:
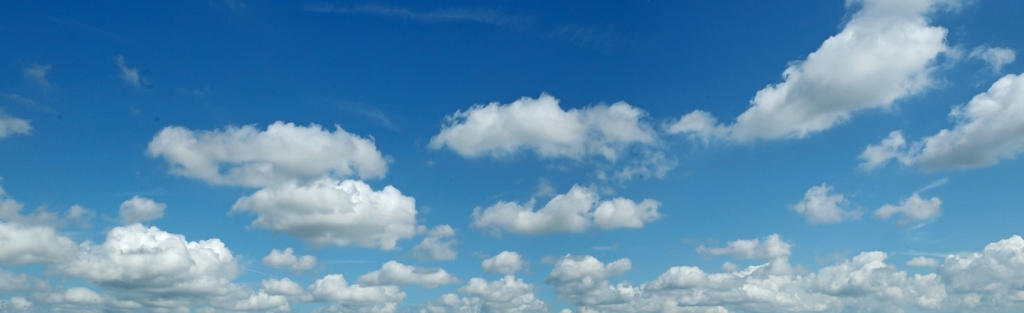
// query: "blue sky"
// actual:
[[735, 156]]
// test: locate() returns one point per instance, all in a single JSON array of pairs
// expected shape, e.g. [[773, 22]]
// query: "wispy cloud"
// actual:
[[130, 75], [586, 37], [37, 73], [484, 16]]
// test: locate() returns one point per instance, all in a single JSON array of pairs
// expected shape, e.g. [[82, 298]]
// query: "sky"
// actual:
[[512, 156]]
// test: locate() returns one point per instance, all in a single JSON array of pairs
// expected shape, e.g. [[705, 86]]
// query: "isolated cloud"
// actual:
[[995, 57], [248, 156], [913, 208], [355, 298], [140, 209], [542, 126], [575, 211], [987, 130], [37, 74], [327, 211], [772, 247], [821, 206], [434, 247], [506, 262], [11, 125], [130, 75], [506, 295], [288, 259], [884, 53], [394, 273]]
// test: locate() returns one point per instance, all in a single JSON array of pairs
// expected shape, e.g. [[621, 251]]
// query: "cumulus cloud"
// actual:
[[24, 244], [506, 295], [584, 280], [821, 206], [987, 130], [394, 273], [141, 209], [355, 298], [283, 286], [923, 261], [288, 259], [506, 262], [11, 125], [434, 247], [884, 53], [130, 75], [995, 275], [575, 211], [913, 208], [37, 74], [327, 211], [772, 247], [995, 57], [249, 156], [540, 125]]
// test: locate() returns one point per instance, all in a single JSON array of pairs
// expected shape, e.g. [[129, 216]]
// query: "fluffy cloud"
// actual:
[[283, 286], [996, 57], [11, 125], [287, 259], [16, 304], [355, 298], [542, 126], [394, 273], [773, 247], [883, 54], [574, 211], [37, 73], [995, 275], [506, 262], [250, 157], [506, 295], [23, 244], [584, 280], [434, 247], [327, 211], [140, 209], [987, 130], [821, 206], [913, 208]]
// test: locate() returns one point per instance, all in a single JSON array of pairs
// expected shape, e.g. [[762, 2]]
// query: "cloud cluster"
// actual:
[[575, 211], [508, 294], [394, 273], [987, 130], [885, 52]]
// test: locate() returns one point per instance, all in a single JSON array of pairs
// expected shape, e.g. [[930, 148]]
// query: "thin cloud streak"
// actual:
[[432, 16]]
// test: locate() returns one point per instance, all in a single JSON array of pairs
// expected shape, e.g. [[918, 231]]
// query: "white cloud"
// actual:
[[821, 206], [574, 211], [23, 244], [11, 125], [394, 273], [883, 54], [923, 261], [506, 262], [355, 298], [890, 148], [248, 156], [996, 57], [288, 259], [913, 208], [327, 211], [987, 130], [13, 282], [16, 304], [506, 295], [584, 280], [130, 75], [773, 247], [434, 247], [37, 73], [542, 126], [995, 273], [283, 286], [141, 209]]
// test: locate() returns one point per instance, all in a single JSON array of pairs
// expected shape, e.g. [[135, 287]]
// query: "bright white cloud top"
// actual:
[[249, 156], [574, 211], [821, 205], [886, 52]]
